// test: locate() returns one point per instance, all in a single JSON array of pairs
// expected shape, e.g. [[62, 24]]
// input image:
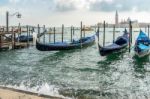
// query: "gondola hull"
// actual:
[[143, 53], [142, 45], [107, 51], [24, 38], [66, 46], [117, 46]]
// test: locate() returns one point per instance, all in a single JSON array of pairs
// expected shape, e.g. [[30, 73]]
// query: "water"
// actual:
[[77, 74]]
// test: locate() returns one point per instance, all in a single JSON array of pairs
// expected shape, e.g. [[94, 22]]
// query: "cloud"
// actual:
[[121, 5]]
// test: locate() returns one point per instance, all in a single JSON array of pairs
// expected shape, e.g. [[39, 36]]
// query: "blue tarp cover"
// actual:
[[143, 47]]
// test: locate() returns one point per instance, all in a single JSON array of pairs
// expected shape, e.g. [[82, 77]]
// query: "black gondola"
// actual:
[[75, 44], [120, 43], [24, 38]]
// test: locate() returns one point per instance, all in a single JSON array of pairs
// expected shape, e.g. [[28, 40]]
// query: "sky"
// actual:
[[72, 12]]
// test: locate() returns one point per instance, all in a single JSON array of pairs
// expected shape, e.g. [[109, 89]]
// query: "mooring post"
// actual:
[[44, 33], [71, 33], [104, 35], [29, 33], [131, 33], [114, 31], [62, 33], [98, 33], [81, 35], [38, 33], [130, 36], [50, 31], [18, 32], [27, 36], [7, 22], [12, 37], [84, 30], [148, 31], [73, 30], [54, 34]]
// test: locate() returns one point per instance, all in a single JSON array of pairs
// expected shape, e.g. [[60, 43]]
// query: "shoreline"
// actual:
[[11, 93]]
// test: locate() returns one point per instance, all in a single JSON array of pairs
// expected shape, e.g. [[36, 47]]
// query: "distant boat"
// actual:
[[87, 29], [76, 44], [142, 45], [120, 43]]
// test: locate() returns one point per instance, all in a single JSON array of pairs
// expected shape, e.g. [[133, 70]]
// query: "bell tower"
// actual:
[[116, 18]]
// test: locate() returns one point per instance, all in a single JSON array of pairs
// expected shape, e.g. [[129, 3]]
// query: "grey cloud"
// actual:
[[121, 5], [65, 7]]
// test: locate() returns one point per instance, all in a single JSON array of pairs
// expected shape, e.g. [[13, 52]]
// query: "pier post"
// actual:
[[148, 31], [81, 35], [84, 30], [38, 32], [73, 30], [27, 36], [54, 34], [7, 21], [114, 34], [104, 35], [12, 38], [71, 33], [98, 32], [130, 32], [44, 33], [1, 39], [62, 33], [50, 31], [18, 32]]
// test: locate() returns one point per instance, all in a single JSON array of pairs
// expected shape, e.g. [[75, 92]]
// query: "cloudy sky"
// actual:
[[71, 12]]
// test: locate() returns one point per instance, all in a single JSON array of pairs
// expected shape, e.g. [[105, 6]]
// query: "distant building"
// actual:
[[116, 18]]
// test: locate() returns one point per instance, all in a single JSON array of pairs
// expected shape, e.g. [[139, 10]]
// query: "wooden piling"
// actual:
[[50, 35], [12, 37], [54, 35], [84, 31], [71, 33], [38, 32], [44, 33], [18, 31], [62, 33], [131, 33], [27, 36], [114, 34], [98, 32], [104, 35], [81, 35], [148, 31], [1, 40], [73, 30], [130, 30], [7, 22]]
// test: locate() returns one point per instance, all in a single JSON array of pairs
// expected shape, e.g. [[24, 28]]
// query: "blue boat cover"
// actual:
[[143, 47], [142, 38]]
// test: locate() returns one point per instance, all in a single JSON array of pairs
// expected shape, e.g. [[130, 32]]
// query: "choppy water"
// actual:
[[80, 74]]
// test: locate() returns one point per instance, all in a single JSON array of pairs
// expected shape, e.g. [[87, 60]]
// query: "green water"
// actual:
[[77, 74]]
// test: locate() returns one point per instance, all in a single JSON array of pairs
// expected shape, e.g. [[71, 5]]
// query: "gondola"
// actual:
[[24, 38], [75, 44], [120, 43], [142, 45]]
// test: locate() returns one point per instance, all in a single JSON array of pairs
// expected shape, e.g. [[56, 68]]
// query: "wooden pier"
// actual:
[[8, 38]]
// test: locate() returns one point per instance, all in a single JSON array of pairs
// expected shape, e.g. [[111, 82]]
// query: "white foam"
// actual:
[[45, 89]]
